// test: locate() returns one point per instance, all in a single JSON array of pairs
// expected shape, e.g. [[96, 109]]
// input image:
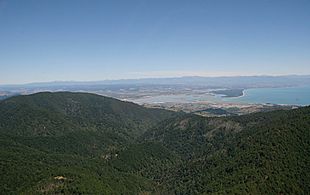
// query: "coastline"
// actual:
[[297, 96], [228, 93], [243, 94]]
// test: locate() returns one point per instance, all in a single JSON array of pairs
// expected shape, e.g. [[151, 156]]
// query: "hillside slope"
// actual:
[[46, 113], [263, 153], [72, 143], [73, 135]]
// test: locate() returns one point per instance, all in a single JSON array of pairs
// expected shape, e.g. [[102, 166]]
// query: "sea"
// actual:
[[285, 96]]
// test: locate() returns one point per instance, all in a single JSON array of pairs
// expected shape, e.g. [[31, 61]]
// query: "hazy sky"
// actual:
[[48, 40]]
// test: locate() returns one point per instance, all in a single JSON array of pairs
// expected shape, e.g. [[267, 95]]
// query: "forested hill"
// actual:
[[262, 153], [48, 114], [78, 143]]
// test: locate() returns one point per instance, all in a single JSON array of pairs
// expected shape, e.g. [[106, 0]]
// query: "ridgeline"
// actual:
[[79, 143]]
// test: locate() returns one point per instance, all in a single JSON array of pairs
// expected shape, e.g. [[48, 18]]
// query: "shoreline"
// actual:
[[228, 93]]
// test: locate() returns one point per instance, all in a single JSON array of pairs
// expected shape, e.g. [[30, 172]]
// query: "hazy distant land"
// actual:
[[204, 95]]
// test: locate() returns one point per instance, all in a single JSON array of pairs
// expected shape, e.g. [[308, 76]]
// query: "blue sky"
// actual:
[[48, 40]]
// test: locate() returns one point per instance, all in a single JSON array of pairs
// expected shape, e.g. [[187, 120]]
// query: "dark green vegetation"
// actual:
[[229, 92], [214, 111], [7, 94], [83, 143], [3, 97]]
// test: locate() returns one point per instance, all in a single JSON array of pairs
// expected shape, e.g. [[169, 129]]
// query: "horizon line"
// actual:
[[145, 78]]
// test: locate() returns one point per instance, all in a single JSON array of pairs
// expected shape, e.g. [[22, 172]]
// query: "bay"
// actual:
[[287, 95]]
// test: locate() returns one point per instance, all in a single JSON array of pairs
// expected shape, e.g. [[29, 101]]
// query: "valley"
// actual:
[[84, 143], [154, 97]]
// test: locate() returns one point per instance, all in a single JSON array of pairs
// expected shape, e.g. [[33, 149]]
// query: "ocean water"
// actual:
[[291, 96], [288, 95]]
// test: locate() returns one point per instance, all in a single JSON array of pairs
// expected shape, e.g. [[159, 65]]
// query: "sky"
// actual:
[[85, 40]]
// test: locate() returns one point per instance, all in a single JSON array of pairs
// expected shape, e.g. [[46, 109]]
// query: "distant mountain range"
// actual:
[[81, 143], [228, 82]]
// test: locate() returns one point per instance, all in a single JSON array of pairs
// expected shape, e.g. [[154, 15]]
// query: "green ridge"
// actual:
[[79, 143]]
